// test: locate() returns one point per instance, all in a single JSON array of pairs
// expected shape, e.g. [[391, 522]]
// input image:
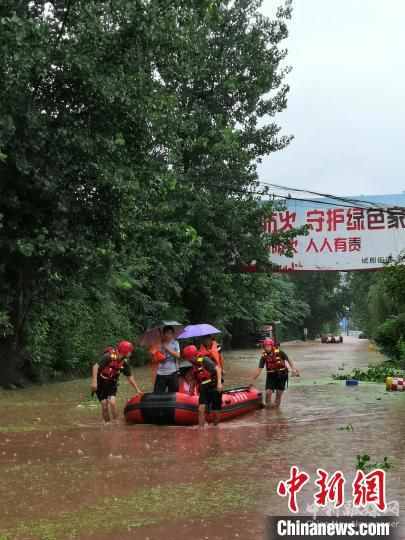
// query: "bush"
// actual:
[[372, 374], [141, 357], [68, 336], [390, 337], [6, 328]]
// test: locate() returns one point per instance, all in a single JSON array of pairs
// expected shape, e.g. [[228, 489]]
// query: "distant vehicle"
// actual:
[[330, 338], [362, 335], [266, 331]]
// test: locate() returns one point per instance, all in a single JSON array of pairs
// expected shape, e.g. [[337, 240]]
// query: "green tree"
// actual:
[[80, 165], [378, 305], [228, 77], [326, 296], [129, 137]]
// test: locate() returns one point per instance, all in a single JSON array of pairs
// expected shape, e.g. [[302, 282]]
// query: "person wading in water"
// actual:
[[207, 376], [275, 361], [105, 375]]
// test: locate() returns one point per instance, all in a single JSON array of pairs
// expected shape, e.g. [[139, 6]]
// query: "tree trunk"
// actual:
[[12, 360], [8, 364]]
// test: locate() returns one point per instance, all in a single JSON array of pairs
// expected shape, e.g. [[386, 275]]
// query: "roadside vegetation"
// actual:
[[130, 133], [378, 308], [129, 138]]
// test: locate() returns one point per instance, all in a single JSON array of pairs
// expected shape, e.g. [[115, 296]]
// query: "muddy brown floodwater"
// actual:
[[64, 476]]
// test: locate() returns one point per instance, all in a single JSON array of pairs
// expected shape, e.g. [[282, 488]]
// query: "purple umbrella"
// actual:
[[198, 330]]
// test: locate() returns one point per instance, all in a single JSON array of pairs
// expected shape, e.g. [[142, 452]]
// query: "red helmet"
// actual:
[[268, 342], [125, 348], [190, 352]]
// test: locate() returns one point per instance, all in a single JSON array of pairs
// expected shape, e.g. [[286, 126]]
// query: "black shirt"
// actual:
[[209, 365], [106, 359]]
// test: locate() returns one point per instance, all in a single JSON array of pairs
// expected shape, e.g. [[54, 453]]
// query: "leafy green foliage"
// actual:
[[129, 138], [390, 337], [5, 325], [371, 374], [69, 335], [348, 427], [325, 295], [285, 304], [378, 306]]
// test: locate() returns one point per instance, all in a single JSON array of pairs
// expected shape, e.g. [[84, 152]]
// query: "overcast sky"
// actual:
[[346, 105]]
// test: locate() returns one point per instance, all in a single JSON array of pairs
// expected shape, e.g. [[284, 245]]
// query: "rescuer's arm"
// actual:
[[221, 360], [256, 374], [130, 378], [94, 372], [258, 371], [134, 384], [219, 378], [294, 370]]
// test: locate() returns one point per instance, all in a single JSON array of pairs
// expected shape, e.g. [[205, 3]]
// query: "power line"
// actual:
[[319, 202], [358, 202], [322, 203]]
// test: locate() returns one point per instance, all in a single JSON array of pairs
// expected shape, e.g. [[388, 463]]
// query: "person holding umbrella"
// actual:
[[153, 339]]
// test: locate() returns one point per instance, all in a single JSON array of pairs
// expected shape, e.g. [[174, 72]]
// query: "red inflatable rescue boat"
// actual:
[[182, 409]]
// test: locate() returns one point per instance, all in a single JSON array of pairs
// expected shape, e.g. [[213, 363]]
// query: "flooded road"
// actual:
[[65, 476]]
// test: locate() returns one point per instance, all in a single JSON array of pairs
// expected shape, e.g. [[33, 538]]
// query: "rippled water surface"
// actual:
[[65, 476]]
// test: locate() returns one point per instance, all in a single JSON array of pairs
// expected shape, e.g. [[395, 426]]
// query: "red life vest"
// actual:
[[112, 368], [274, 361], [202, 375], [213, 353]]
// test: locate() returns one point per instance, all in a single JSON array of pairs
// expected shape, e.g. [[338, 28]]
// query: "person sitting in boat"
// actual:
[[167, 372], [275, 361], [105, 375], [207, 376], [187, 383]]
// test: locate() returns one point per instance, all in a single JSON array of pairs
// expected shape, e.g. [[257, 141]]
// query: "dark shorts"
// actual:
[[106, 389], [277, 380], [166, 383], [210, 397]]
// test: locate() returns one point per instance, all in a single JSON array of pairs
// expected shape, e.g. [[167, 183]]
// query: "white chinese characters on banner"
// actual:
[[340, 238]]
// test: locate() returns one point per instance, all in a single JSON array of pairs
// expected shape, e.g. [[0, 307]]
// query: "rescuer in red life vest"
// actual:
[[275, 361], [207, 376], [210, 348], [105, 375]]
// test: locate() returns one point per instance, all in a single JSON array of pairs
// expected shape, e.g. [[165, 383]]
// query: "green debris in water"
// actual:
[[363, 464], [348, 427], [371, 374]]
